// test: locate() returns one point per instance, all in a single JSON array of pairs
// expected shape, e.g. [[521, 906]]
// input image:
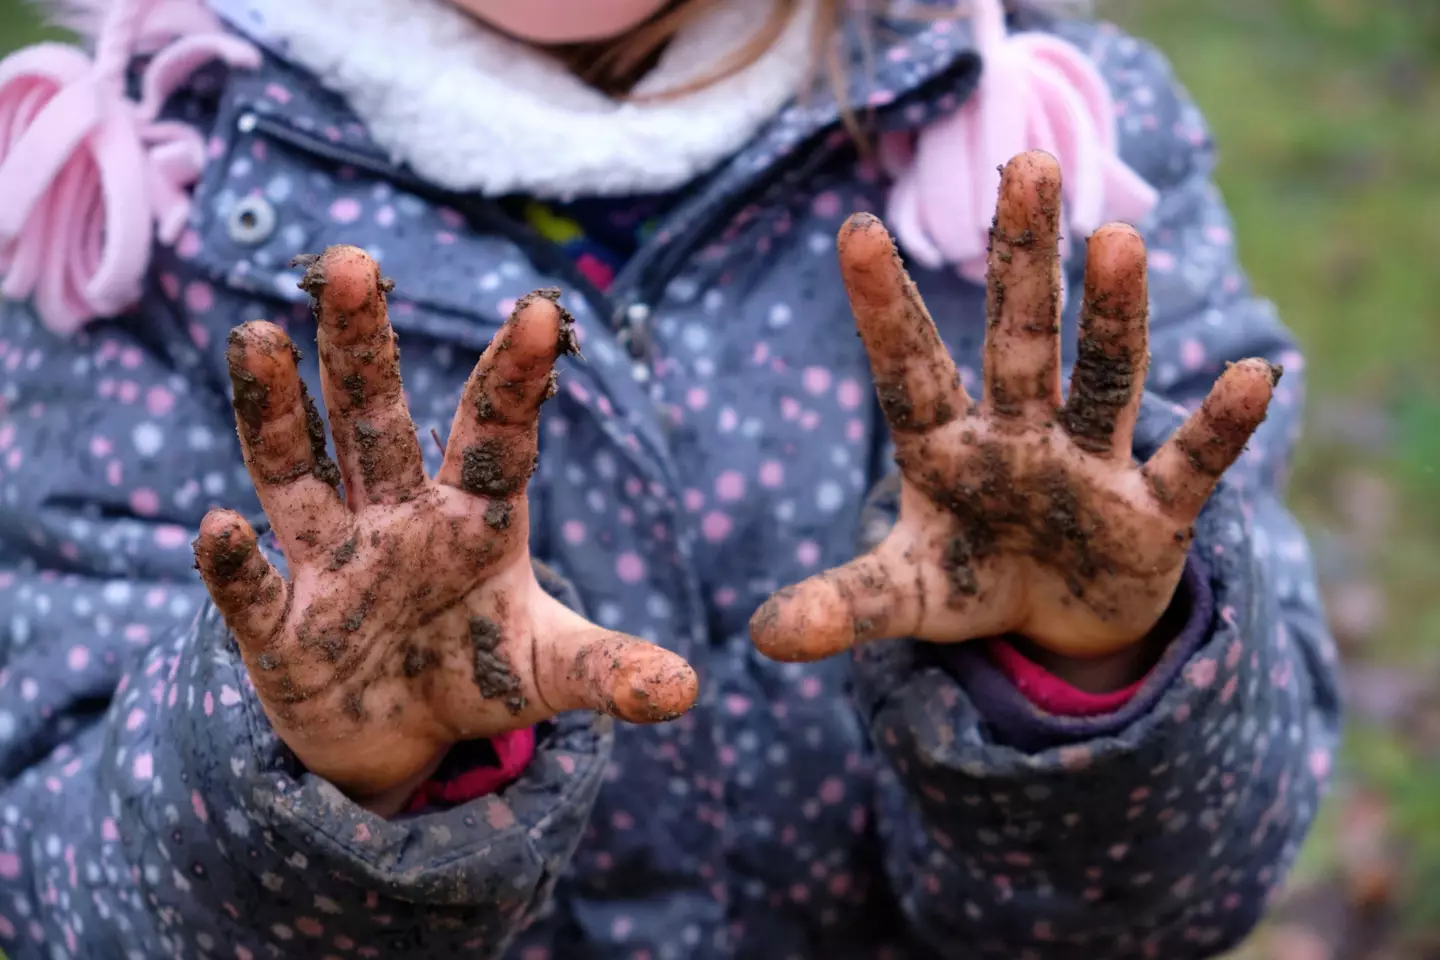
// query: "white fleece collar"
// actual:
[[469, 109]]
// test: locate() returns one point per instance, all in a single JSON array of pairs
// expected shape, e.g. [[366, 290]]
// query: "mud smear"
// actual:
[[1211, 441], [324, 468], [343, 554], [895, 404], [767, 617], [493, 674], [1111, 357], [1101, 386], [484, 409], [251, 395], [367, 438], [915, 342], [229, 553], [1037, 240], [1041, 515], [417, 661]]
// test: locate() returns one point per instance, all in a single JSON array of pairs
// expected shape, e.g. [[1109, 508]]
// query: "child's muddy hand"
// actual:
[[412, 618], [1022, 513]]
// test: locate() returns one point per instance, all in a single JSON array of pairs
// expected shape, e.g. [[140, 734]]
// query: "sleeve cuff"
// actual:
[[1030, 709]]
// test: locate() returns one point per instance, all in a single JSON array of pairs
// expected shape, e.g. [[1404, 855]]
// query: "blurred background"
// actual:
[[1327, 113]]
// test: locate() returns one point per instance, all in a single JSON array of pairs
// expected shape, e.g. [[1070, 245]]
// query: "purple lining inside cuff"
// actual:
[[1016, 722]]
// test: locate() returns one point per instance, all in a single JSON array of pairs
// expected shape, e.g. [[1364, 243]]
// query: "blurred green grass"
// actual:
[[1327, 116], [1327, 113], [20, 24]]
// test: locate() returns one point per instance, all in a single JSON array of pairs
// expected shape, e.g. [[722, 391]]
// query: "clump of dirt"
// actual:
[[497, 514], [483, 470], [484, 409], [267, 662], [312, 281], [229, 555], [566, 343], [493, 674], [354, 385]]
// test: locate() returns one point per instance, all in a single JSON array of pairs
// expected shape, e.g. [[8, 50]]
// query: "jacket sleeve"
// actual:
[[1161, 830], [146, 808]]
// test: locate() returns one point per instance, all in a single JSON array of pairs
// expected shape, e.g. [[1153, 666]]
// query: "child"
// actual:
[[388, 731]]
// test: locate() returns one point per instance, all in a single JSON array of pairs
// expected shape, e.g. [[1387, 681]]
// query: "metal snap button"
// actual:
[[252, 220]]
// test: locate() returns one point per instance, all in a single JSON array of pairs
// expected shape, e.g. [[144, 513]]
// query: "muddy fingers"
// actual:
[[873, 597], [615, 674], [494, 437], [1022, 336], [915, 378], [1112, 358], [374, 436], [249, 592], [283, 440], [1184, 471]]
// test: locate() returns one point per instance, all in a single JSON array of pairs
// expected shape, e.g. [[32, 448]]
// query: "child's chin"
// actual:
[[551, 22]]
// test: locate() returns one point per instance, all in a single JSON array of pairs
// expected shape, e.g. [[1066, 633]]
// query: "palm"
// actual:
[[1024, 512], [1026, 532], [394, 651], [413, 618]]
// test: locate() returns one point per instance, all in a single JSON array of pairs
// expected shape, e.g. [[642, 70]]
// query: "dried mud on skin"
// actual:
[[994, 511], [494, 676], [483, 470], [1102, 386]]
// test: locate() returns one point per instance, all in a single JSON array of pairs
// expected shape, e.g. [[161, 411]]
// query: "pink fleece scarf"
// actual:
[[90, 179], [1036, 92]]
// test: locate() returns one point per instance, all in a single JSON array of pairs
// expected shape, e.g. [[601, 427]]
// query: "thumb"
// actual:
[[875, 596], [580, 666]]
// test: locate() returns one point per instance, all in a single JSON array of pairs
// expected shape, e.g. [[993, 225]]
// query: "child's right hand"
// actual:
[[413, 618]]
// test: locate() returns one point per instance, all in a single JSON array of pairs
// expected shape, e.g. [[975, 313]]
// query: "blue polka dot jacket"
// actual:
[[720, 439]]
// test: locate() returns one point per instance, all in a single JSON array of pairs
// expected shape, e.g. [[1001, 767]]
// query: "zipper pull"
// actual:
[[632, 323]]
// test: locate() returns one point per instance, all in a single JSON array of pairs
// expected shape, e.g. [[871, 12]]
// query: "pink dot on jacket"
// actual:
[[89, 177]]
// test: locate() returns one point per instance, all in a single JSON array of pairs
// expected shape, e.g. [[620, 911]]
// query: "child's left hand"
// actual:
[[1022, 513]]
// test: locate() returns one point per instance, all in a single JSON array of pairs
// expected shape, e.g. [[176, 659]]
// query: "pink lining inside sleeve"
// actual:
[[1049, 692], [515, 750]]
